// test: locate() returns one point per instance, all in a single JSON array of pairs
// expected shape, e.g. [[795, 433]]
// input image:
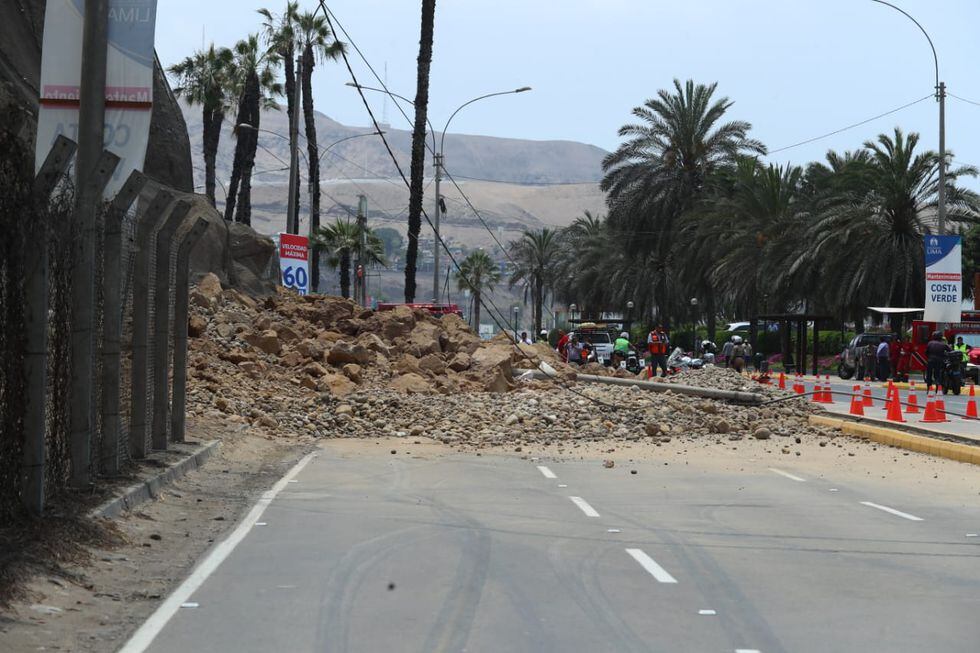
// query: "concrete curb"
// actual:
[[963, 453], [149, 489]]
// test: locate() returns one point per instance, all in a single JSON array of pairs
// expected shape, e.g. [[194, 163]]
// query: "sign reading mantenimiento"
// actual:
[[129, 80], [944, 278]]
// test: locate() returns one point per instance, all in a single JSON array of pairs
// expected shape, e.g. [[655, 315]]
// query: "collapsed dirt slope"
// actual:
[[314, 367]]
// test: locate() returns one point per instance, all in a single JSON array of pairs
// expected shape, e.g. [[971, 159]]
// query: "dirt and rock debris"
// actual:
[[315, 367]]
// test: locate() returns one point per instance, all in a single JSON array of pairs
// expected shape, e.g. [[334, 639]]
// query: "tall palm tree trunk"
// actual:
[[243, 212], [239, 160], [212, 136], [345, 274], [418, 147], [476, 311], [538, 304], [313, 154], [289, 68]]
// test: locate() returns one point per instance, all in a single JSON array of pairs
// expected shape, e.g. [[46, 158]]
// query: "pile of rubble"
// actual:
[[312, 367]]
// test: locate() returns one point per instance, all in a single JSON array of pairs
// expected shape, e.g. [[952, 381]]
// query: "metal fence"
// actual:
[[140, 311]]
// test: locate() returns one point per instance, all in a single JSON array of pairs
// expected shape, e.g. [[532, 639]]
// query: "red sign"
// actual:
[[294, 247]]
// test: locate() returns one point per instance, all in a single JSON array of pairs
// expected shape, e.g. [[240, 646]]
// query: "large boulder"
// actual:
[[343, 353], [426, 338], [459, 337], [411, 384], [266, 341]]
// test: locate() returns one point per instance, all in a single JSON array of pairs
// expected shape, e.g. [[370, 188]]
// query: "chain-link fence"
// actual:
[[128, 323]]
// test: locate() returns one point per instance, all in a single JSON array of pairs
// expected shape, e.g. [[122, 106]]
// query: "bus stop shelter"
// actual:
[[794, 358]]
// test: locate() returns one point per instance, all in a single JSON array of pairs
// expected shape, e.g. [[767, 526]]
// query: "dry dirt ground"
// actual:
[[117, 588], [95, 603]]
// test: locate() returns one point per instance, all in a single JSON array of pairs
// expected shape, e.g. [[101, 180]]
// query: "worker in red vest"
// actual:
[[657, 344]]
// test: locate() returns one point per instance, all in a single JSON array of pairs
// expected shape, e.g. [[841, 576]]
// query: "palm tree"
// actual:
[[871, 238], [202, 79], [316, 42], [418, 147], [661, 171], [343, 242], [254, 80], [477, 272], [279, 32], [534, 256]]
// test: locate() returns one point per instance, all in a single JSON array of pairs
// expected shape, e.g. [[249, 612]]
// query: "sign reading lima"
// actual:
[[138, 12]]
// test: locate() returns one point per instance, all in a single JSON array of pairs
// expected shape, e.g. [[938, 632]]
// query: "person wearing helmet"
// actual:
[[574, 351], [543, 336], [621, 349], [657, 344], [936, 359], [738, 354]]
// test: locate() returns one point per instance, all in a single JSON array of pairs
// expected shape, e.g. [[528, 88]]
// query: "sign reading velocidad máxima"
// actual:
[[129, 80], [944, 278]]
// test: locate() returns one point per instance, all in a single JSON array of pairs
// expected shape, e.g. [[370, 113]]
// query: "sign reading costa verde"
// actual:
[[129, 80], [944, 278]]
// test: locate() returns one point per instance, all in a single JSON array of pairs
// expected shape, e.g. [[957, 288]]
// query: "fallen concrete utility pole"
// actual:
[[749, 398]]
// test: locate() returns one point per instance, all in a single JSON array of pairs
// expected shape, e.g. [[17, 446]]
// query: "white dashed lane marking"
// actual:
[[651, 566], [897, 513], [584, 506], [787, 475], [546, 472]]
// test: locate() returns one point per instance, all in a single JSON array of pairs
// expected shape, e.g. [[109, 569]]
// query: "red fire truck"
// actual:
[[968, 327]]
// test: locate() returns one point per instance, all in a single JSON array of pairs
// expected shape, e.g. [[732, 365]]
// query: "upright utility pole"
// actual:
[[360, 274], [941, 96], [91, 121], [437, 158], [292, 210]]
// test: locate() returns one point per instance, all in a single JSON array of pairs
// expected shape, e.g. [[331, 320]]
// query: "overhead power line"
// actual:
[[844, 129], [962, 99]]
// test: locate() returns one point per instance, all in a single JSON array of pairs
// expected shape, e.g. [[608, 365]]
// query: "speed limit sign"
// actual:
[[294, 262]]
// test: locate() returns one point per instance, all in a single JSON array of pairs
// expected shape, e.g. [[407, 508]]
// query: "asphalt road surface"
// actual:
[[428, 553]]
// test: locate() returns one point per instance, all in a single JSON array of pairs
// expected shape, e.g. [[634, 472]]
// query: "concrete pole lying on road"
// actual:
[[141, 320], [179, 406], [112, 319], [36, 323], [161, 331]]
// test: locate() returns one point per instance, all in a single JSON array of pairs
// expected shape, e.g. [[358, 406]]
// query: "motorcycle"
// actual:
[[953, 373]]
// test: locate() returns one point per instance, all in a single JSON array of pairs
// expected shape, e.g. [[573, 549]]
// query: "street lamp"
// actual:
[[629, 317], [517, 309], [571, 314], [694, 325], [439, 162], [941, 97]]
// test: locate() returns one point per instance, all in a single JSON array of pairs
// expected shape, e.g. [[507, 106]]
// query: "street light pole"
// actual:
[[941, 97], [438, 157]]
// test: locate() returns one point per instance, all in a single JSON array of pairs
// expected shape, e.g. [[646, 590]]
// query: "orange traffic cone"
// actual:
[[913, 406], [931, 416], [941, 404], [868, 400], [782, 381], [817, 397], [857, 403], [895, 410], [971, 405]]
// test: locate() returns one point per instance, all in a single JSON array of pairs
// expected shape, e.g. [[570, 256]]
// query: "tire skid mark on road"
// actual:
[[739, 620], [454, 620], [580, 576]]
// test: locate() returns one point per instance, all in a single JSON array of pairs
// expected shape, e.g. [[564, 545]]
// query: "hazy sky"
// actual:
[[795, 69]]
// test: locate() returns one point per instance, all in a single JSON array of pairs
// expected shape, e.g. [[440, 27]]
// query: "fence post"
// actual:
[[83, 333], [112, 319], [36, 356], [178, 417], [161, 330], [141, 318]]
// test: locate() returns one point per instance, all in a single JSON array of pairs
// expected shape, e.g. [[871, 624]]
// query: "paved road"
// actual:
[[466, 553], [955, 404]]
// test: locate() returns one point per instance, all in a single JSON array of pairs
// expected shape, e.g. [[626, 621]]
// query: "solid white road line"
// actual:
[[586, 508], [787, 475], [898, 513], [143, 637], [546, 472], [651, 566]]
